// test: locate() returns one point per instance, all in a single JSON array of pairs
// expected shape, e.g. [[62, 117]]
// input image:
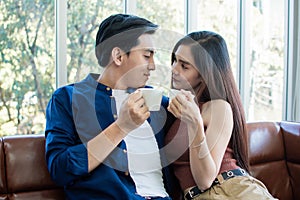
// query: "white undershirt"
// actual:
[[143, 156]]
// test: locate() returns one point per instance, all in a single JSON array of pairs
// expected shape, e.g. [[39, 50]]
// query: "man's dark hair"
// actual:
[[120, 30]]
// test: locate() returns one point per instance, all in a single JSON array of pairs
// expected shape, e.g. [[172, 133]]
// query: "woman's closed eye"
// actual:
[[183, 66]]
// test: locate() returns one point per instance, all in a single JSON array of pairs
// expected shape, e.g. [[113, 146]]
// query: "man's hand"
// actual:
[[133, 112]]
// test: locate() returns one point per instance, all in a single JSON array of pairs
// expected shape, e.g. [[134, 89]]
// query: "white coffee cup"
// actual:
[[173, 93], [152, 98]]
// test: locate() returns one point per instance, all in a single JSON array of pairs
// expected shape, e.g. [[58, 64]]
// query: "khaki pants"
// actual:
[[237, 188]]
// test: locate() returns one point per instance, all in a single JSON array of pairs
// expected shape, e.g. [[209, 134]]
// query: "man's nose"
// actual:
[[151, 65]]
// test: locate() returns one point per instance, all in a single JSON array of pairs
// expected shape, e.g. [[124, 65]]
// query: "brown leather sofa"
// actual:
[[23, 172], [274, 159]]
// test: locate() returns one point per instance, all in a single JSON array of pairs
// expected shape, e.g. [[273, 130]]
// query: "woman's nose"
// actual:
[[175, 69]]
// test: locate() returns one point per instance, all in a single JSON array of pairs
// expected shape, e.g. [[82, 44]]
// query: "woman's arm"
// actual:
[[206, 156], [207, 148]]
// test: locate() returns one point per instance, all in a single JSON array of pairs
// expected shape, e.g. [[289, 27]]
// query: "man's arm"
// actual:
[[132, 114]]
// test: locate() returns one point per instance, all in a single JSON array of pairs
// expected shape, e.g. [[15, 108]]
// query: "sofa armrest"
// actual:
[[291, 138]]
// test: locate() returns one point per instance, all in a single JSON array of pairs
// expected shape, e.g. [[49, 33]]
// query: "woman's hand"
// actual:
[[184, 107], [133, 112]]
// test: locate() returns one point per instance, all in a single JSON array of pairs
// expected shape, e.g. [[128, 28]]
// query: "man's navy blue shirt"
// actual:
[[75, 114]]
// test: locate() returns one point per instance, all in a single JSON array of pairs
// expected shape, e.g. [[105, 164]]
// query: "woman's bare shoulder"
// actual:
[[217, 104]]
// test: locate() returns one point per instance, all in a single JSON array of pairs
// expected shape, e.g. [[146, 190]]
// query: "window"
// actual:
[[171, 25], [83, 20], [262, 38], [219, 16], [264, 66], [26, 64]]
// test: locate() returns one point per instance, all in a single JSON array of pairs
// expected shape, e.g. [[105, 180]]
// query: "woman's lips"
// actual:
[[175, 80]]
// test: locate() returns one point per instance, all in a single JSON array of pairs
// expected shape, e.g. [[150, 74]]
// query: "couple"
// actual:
[[102, 142]]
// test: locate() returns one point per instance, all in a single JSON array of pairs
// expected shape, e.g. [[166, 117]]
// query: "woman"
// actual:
[[210, 129]]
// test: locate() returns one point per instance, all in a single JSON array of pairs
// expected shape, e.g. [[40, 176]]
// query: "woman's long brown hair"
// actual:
[[212, 59]]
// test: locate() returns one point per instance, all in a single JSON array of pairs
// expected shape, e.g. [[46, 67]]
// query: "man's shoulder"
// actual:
[[64, 90]]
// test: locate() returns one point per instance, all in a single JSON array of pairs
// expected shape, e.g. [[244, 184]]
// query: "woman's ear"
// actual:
[[116, 55]]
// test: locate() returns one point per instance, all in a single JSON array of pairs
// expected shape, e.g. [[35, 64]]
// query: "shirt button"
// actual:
[[115, 116], [107, 88], [126, 173], [124, 151]]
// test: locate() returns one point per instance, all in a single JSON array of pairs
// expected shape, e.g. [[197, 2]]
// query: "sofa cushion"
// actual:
[[265, 143], [25, 165], [267, 158]]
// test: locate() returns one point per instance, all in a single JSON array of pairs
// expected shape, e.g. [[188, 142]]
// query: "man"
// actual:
[[99, 138]]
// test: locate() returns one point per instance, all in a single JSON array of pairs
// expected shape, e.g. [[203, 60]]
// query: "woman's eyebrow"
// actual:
[[184, 61]]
